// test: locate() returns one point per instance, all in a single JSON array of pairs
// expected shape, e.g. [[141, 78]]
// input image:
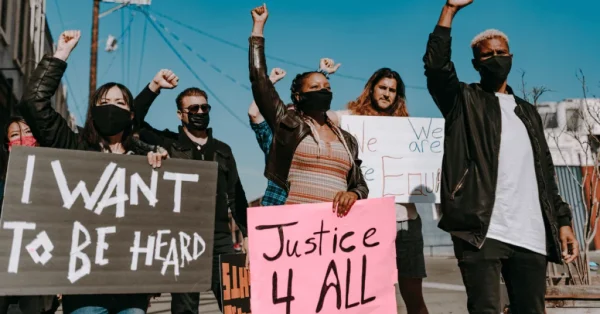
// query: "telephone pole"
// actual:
[[94, 50]]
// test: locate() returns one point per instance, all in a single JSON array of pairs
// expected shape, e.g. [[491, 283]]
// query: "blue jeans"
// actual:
[[102, 310]]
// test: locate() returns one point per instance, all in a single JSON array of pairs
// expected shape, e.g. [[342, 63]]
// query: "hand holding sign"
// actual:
[[304, 260], [343, 201]]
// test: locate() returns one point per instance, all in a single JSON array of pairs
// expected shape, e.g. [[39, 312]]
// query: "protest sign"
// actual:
[[76, 222], [235, 284], [402, 157], [305, 259]]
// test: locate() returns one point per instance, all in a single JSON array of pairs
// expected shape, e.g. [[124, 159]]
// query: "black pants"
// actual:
[[30, 304], [524, 273], [188, 303]]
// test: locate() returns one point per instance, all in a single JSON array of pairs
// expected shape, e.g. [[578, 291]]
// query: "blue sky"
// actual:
[[550, 39]]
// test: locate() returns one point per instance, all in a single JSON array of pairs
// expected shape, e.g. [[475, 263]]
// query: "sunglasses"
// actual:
[[193, 109]]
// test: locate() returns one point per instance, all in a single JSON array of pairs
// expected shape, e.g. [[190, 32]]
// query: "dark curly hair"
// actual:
[[297, 84]]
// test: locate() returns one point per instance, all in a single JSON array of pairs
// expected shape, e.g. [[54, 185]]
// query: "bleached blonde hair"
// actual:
[[488, 34]]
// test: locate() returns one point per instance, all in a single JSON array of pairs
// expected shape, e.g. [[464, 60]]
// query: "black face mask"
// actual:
[[494, 71], [110, 119], [315, 101], [198, 121]]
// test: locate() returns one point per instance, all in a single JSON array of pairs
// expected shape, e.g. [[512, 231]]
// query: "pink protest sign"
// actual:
[[305, 259]]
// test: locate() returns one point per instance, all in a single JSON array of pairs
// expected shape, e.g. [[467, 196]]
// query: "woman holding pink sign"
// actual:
[[311, 158]]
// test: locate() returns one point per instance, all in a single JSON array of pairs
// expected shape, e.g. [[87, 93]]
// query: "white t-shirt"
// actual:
[[517, 213]]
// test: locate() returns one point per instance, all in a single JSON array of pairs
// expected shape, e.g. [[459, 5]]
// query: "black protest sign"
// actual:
[[235, 284], [76, 222]]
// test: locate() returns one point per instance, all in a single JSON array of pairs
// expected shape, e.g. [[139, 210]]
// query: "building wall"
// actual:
[[24, 39]]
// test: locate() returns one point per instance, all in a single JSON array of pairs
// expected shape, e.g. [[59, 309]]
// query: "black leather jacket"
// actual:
[[288, 127], [230, 192], [471, 149], [51, 130]]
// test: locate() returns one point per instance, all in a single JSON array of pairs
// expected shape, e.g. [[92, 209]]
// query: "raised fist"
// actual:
[[66, 43], [276, 75], [166, 79], [329, 66], [459, 4], [260, 14]]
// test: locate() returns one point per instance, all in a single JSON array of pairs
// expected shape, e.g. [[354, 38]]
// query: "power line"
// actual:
[[234, 45], [69, 89], [123, 33], [205, 86], [127, 81], [142, 56], [69, 86], [197, 54], [123, 48]]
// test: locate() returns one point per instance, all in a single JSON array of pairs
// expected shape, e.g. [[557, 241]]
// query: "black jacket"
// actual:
[[230, 193], [51, 130], [289, 129], [471, 151]]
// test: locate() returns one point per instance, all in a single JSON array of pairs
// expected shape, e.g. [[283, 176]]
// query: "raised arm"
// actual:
[[442, 81], [263, 132], [268, 101], [164, 79], [48, 126]]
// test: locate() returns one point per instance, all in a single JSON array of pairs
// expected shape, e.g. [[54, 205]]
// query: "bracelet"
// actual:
[[323, 72]]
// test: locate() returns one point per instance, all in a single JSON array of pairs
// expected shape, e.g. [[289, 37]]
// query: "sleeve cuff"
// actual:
[[564, 221], [442, 31], [56, 61], [148, 90]]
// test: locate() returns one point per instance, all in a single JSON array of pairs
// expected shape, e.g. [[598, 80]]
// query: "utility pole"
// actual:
[[94, 50]]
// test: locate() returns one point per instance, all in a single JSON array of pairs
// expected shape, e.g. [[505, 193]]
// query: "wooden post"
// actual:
[[94, 50]]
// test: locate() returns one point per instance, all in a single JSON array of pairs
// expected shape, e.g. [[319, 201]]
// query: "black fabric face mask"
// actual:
[[494, 71], [198, 121], [315, 101], [110, 119]]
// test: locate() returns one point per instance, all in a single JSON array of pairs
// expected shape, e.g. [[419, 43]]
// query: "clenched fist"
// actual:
[[259, 16], [458, 4], [276, 75], [329, 66], [66, 43], [164, 79]]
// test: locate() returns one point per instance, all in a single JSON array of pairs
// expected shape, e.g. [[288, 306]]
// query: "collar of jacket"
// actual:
[[185, 143], [510, 91]]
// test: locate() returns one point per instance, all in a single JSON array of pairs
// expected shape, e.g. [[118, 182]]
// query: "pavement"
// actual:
[[443, 290]]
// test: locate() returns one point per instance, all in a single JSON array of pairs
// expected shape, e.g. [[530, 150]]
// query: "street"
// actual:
[[444, 292]]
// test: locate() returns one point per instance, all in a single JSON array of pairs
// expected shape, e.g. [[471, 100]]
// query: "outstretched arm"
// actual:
[[442, 81], [48, 126], [266, 97]]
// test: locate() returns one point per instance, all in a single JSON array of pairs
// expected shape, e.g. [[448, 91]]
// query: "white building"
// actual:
[[568, 124]]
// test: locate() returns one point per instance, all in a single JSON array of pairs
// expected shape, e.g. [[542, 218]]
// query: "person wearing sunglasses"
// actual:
[[194, 140]]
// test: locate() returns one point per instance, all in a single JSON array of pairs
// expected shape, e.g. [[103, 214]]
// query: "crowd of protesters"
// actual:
[[500, 201]]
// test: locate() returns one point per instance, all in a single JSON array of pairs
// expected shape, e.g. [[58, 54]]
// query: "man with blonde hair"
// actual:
[[500, 201]]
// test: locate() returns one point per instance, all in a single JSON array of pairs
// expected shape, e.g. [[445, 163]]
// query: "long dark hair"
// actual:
[[365, 105], [90, 135]]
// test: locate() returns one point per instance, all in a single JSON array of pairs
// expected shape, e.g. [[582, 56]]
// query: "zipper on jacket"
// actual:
[[460, 184]]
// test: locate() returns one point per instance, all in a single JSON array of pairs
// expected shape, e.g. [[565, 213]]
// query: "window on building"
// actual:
[[4, 14], [550, 120], [20, 37], [573, 118]]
